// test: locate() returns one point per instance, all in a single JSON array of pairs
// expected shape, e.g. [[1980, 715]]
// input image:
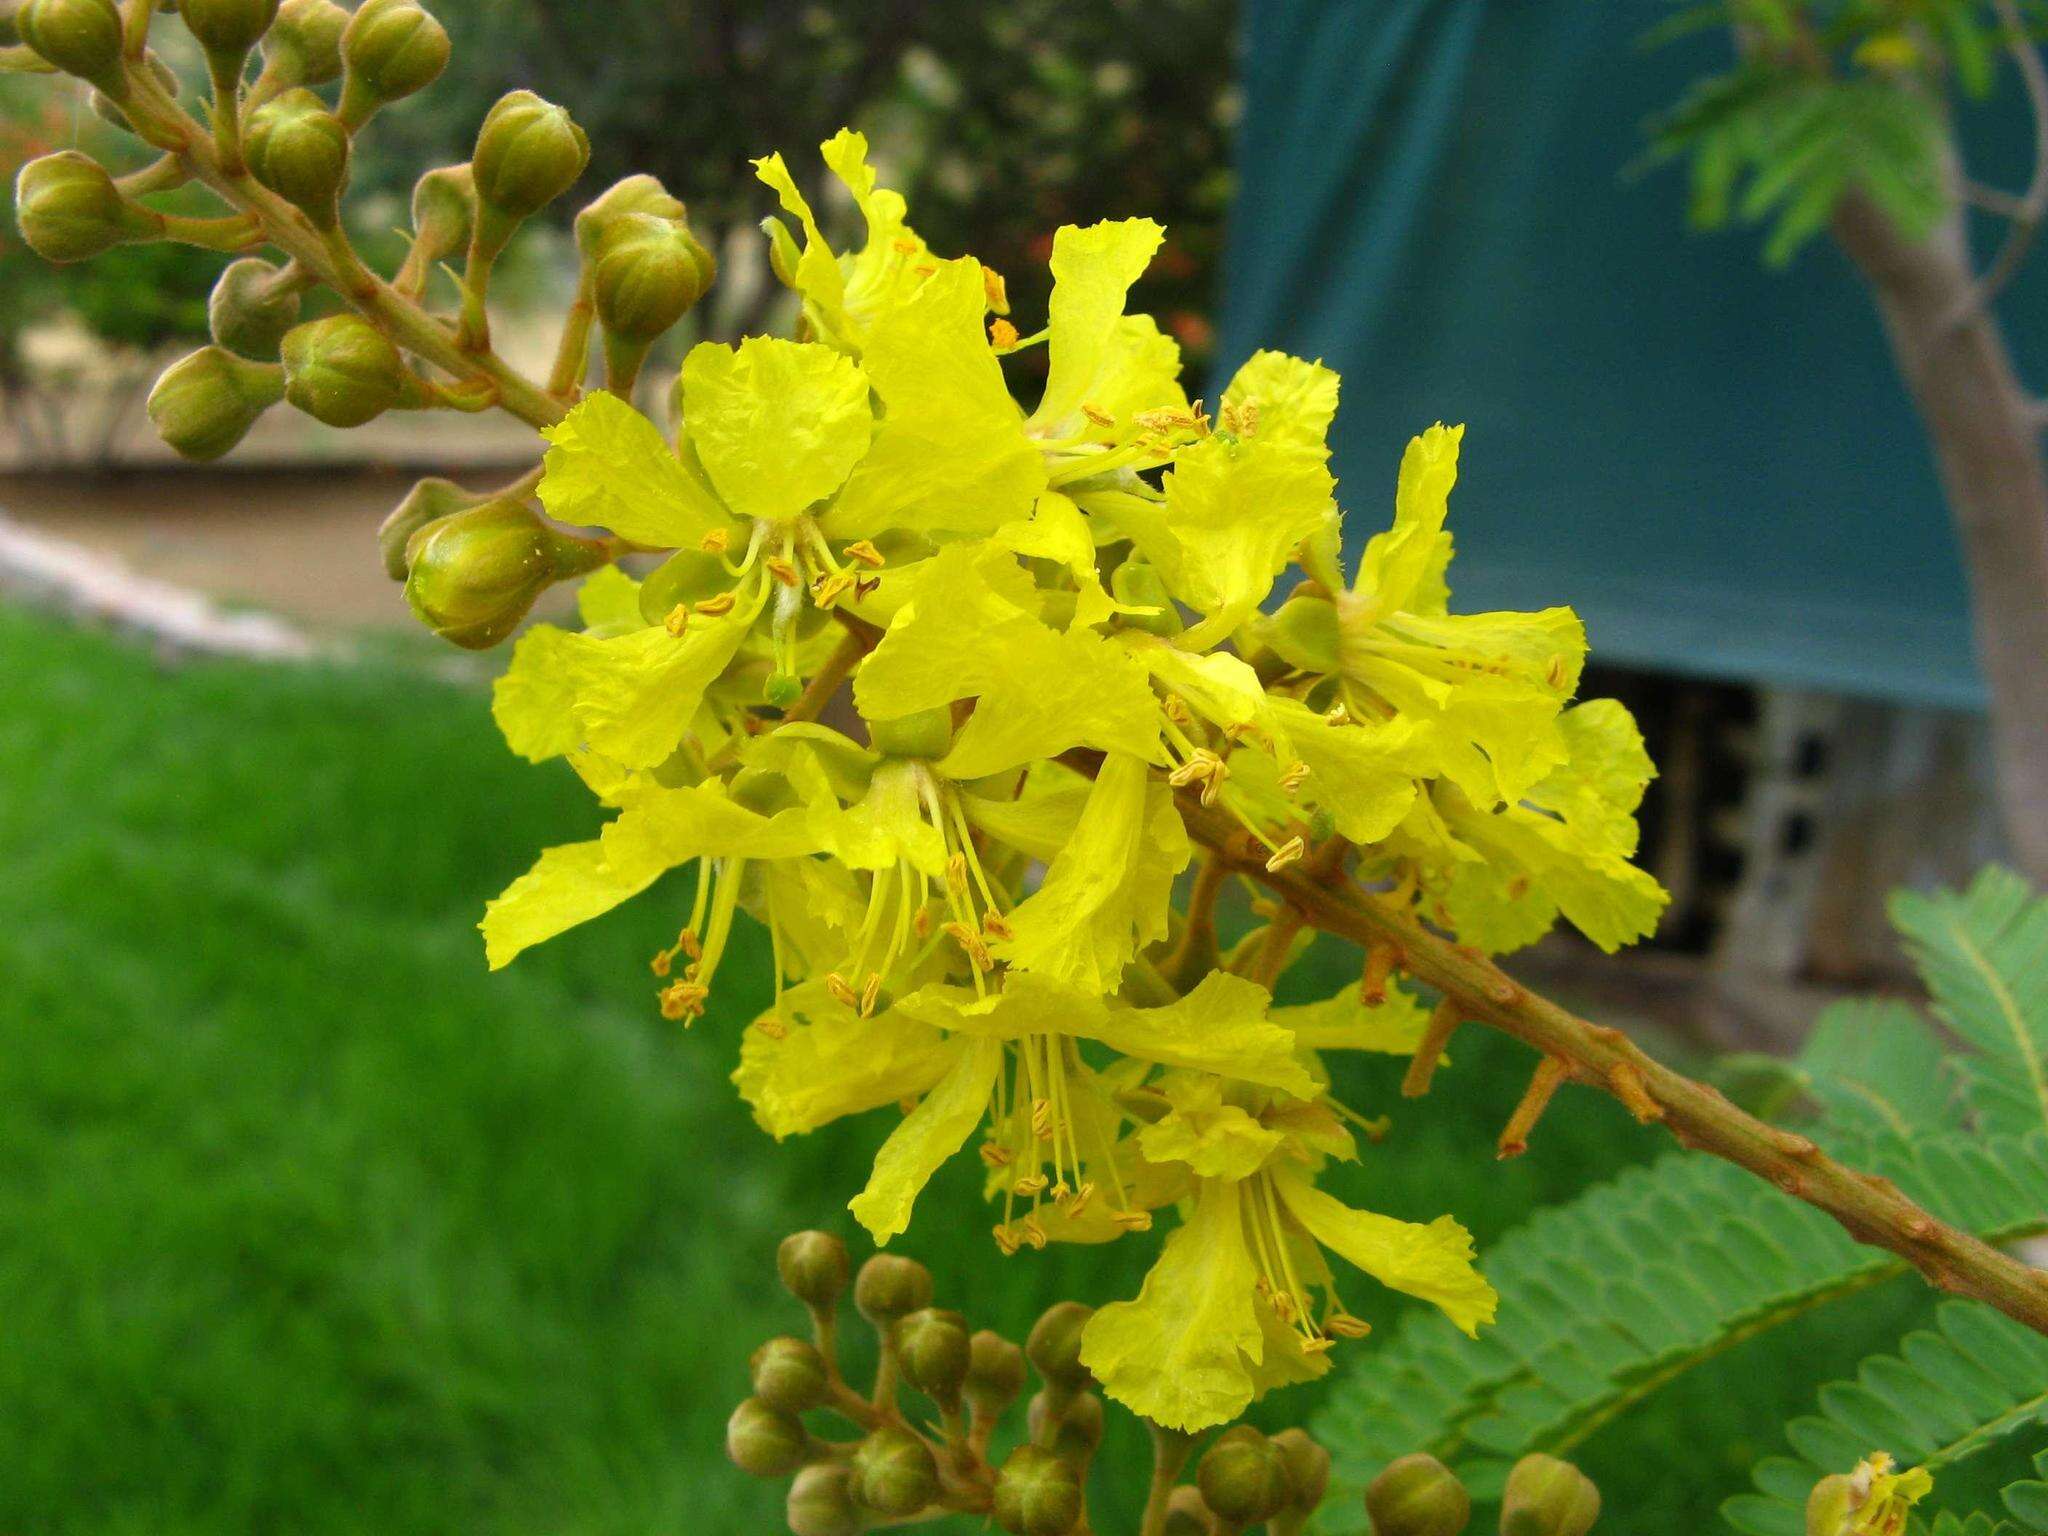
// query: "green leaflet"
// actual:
[[1601, 1305], [1984, 954], [1951, 1391]]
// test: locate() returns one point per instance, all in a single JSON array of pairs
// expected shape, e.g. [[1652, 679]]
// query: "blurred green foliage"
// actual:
[[1825, 99], [313, 1224]]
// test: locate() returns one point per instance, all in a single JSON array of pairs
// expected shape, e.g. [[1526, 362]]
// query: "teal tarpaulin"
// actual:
[[1714, 463]]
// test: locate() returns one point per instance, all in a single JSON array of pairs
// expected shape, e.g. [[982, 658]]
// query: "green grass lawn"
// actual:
[[310, 1224]]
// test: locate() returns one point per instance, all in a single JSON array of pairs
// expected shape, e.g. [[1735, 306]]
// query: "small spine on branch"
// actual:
[[1543, 1082], [1443, 1023]]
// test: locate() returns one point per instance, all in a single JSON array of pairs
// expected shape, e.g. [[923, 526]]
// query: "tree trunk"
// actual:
[[1986, 432]]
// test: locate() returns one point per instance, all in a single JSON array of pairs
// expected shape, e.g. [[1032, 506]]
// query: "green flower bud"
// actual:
[[1054, 1347], [428, 501], [390, 49], [299, 149], [790, 1374], [1081, 1427], [1243, 1477], [890, 1286], [995, 1373], [228, 29], [70, 210], [303, 46], [651, 273], [821, 1502], [206, 403], [1136, 583], [1830, 1505], [925, 734], [443, 209], [1304, 633], [248, 312], [528, 153], [1186, 1514], [1037, 1494], [635, 194], [932, 1347], [344, 371], [473, 575], [1308, 1468], [80, 37], [1548, 1497], [813, 1268], [764, 1442], [1417, 1496], [894, 1473]]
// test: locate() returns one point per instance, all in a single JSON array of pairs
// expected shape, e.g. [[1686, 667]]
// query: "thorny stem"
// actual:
[[1870, 1208]]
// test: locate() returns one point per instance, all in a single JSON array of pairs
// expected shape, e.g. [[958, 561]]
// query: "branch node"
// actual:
[[1627, 1084]]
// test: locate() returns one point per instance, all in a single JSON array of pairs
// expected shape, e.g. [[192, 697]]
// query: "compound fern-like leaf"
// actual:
[[1974, 1379]]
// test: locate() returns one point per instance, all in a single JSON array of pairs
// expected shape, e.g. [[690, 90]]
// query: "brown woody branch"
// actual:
[[1871, 1209]]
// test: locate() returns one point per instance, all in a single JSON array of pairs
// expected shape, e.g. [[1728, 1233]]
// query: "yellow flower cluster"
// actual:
[[1054, 626]]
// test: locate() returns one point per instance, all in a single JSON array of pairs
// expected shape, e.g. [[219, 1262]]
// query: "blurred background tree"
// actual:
[[1841, 118], [997, 122], [132, 305]]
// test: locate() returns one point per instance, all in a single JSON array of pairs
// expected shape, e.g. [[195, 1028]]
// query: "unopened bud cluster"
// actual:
[[934, 1433]]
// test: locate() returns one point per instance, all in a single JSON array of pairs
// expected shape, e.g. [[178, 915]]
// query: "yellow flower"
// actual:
[[1230, 1308]]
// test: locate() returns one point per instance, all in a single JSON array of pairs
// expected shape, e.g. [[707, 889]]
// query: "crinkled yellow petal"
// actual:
[[964, 615], [1234, 511], [949, 453], [1395, 574], [1432, 1261], [1039, 821], [1362, 774], [1566, 849], [608, 602], [894, 260], [660, 828], [778, 425], [1294, 401], [1180, 1354], [1217, 1140], [1140, 371], [566, 886], [888, 825], [633, 696], [1486, 687], [818, 278], [609, 467], [1064, 689], [819, 1060], [1108, 892], [1092, 270], [533, 699], [1057, 531], [966, 634], [1346, 1023], [929, 1134], [1221, 1026]]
